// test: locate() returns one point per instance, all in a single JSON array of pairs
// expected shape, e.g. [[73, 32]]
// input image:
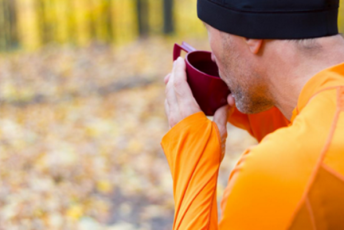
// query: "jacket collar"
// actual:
[[326, 79]]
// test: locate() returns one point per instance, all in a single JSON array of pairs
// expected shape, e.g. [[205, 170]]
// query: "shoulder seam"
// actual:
[[332, 171], [340, 98], [316, 94], [323, 90], [321, 157], [310, 212]]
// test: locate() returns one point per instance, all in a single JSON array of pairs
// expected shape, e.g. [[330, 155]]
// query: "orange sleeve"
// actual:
[[261, 124], [193, 151]]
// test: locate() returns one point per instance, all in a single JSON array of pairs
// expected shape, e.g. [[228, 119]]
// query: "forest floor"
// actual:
[[80, 132]]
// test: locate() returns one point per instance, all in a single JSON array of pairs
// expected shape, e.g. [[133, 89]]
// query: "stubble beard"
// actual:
[[247, 93], [248, 104], [243, 82]]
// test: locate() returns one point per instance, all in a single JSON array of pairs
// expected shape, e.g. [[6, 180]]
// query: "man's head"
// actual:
[[235, 57], [247, 64]]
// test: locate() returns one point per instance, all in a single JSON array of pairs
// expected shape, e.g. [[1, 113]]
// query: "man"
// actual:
[[284, 64]]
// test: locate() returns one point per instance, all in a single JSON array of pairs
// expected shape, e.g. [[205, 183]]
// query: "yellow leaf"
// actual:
[[75, 211], [104, 186]]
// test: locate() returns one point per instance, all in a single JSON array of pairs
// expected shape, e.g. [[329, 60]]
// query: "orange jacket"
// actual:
[[293, 179]]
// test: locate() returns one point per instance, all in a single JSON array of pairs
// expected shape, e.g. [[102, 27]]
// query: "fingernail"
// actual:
[[180, 59]]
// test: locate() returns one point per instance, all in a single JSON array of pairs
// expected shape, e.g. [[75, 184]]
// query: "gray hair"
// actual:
[[307, 45]]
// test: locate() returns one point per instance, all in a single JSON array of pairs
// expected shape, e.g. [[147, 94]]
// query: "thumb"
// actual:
[[220, 117]]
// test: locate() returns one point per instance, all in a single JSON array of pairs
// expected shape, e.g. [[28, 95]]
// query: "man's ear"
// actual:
[[254, 45]]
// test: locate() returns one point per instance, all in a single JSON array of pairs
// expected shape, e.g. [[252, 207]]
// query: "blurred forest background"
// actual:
[[82, 112], [29, 24]]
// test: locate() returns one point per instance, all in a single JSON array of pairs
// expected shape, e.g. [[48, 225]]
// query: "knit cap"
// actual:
[[272, 19]]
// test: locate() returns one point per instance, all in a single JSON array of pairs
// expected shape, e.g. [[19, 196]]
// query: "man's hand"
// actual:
[[180, 103], [220, 118]]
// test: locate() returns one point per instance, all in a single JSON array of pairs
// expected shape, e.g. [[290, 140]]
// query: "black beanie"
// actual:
[[271, 19]]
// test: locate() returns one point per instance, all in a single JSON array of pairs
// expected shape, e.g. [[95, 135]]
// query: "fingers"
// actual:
[[180, 102], [230, 100], [167, 112], [181, 87], [167, 78], [172, 103], [220, 117], [167, 109], [179, 68]]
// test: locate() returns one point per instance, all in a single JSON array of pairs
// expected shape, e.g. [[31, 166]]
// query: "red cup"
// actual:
[[203, 77]]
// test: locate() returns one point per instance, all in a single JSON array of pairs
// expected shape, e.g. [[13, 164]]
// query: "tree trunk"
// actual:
[[168, 16], [43, 24], [6, 29], [2, 27], [108, 21], [13, 30], [142, 17]]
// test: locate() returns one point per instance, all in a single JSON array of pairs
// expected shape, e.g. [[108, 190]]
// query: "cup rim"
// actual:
[[207, 75]]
